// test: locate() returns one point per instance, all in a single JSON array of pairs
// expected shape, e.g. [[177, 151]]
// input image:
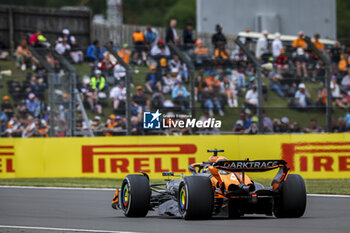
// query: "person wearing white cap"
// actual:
[[302, 97], [68, 37], [262, 45], [277, 45]]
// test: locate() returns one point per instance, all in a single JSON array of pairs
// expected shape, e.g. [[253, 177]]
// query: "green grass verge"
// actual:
[[326, 186]]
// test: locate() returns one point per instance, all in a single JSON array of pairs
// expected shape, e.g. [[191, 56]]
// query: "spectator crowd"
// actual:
[[222, 78]]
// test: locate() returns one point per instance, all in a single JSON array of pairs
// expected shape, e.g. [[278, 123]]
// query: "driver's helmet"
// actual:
[[205, 169], [215, 159]]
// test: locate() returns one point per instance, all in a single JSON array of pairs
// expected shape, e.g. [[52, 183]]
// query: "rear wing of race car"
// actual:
[[249, 166]]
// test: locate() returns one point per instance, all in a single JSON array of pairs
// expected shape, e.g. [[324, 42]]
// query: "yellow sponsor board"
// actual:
[[313, 156]]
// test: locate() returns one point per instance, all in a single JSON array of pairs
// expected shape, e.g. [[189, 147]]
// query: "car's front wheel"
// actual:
[[135, 196]]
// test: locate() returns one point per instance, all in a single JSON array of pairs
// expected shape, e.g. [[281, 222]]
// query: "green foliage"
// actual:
[[97, 6], [158, 13], [343, 19]]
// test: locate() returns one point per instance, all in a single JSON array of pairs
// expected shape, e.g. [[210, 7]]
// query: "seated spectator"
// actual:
[[295, 127], [125, 53], [227, 88], [314, 127], [42, 42], [282, 61], [119, 72], [106, 65], [321, 100], [179, 95], [284, 127], [213, 81], [24, 57], [276, 82], [302, 98], [33, 105], [97, 126], [93, 52], [40, 128], [200, 49], [153, 81], [238, 127], [97, 85], [340, 127], [187, 36], [160, 50], [345, 82], [336, 94], [62, 47], [238, 78], [112, 125], [251, 98], [253, 128], [211, 102], [239, 57], [139, 47], [169, 81], [139, 102], [267, 123], [151, 36], [3, 52], [22, 110], [136, 125], [34, 38], [344, 64], [29, 128], [6, 107], [277, 45], [199, 85], [14, 128], [201, 53], [175, 63], [98, 81], [118, 96], [70, 39]]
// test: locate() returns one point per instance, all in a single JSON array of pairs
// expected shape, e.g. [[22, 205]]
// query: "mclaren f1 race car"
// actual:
[[217, 185]]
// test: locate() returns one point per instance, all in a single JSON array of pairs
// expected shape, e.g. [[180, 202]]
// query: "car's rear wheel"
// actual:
[[291, 202], [196, 198], [135, 196]]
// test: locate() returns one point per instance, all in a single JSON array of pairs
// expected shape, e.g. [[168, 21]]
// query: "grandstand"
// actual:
[[62, 87]]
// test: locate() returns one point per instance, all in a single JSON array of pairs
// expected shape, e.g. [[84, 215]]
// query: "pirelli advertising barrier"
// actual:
[[312, 156]]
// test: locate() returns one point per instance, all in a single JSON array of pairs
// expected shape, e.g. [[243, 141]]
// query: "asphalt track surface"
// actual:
[[44, 209]]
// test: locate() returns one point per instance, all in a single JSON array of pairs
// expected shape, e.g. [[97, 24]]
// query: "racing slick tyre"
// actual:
[[291, 202], [135, 196], [196, 198]]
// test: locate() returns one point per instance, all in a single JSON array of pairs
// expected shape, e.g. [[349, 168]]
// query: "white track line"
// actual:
[[108, 189], [61, 229]]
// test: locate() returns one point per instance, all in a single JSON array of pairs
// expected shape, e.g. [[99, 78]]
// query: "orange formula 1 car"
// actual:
[[219, 185]]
